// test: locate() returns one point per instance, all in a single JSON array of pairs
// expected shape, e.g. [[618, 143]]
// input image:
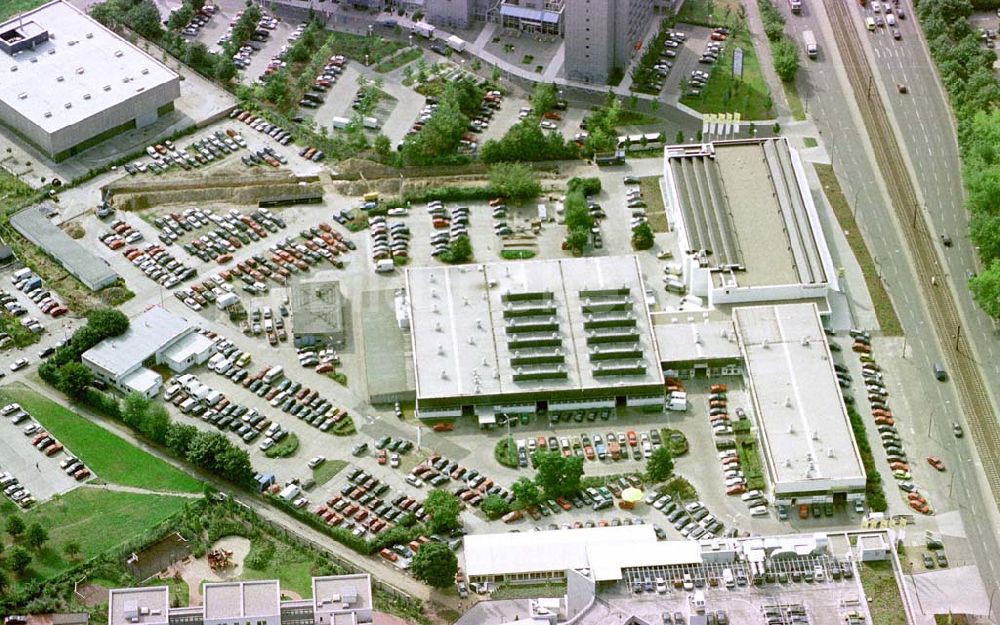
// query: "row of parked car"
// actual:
[[199, 400], [262, 126], [264, 25], [325, 80], [159, 265], [474, 487], [389, 240], [449, 226], [120, 234], [198, 20], [31, 285], [366, 504]]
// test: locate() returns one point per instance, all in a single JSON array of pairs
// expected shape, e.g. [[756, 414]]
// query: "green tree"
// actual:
[[494, 506], [36, 536], [459, 251], [984, 228], [180, 17], [578, 216], [144, 18], [382, 145], [557, 475], [4, 583], [525, 491], [72, 550], [225, 69], [660, 465], [986, 289], [234, 464], [544, 97], [206, 449], [515, 181], [786, 59], [156, 423], [15, 526], [642, 237], [107, 322], [586, 186], [435, 564], [442, 508], [19, 559], [245, 26], [134, 411], [198, 57], [577, 240], [74, 378], [178, 438]]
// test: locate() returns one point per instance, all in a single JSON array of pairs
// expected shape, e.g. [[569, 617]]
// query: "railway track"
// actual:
[[973, 396]]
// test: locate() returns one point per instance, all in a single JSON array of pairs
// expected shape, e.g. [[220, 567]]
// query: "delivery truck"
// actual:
[[424, 30], [810, 41], [456, 43]]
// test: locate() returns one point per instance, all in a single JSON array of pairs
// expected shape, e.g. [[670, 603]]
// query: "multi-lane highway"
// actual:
[[923, 129]]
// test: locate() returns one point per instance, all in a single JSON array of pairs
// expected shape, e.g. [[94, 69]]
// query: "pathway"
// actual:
[[763, 48], [140, 491]]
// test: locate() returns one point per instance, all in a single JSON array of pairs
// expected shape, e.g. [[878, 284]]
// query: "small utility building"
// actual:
[[317, 311], [70, 83], [154, 337]]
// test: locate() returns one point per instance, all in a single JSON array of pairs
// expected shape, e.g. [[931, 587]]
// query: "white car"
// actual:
[[548, 125], [758, 511], [414, 481], [315, 462], [19, 364], [266, 444]]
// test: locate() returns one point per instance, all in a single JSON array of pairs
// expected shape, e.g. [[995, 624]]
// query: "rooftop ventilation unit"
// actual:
[[79, 70], [90, 35], [107, 87], [69, 105], [22, 96], [86, 96], [13, 68], [47, 114], [119, 54], [145, 71], [59, 79]]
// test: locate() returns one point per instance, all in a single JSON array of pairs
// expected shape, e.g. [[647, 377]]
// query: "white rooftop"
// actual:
[[192, 344], [606, 560], [341, 593], [242, 600], [806, 435], [147, 334], [460, 318], [142, 380], [689, 338], [83, 64], [557, 550], [138, 606]]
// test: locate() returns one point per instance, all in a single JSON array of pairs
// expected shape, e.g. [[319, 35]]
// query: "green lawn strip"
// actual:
[[794, 101], [108, 456], [750, 462], [880, 585], [97, 519], [325, 472], [677, 447], [529, 591], [884, 310], [708, 12], [505, 453], [517, 254], [810, 142], [20, 335], [286, 448], [399, 60], [656, 212], [724, 93]]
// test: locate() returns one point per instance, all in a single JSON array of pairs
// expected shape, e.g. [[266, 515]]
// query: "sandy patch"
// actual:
[[194, 571]]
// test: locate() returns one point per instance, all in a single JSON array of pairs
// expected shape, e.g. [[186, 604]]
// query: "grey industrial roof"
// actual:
[[317, 305], [804, 429], [236, 600], [745, 202], [528, 552], [147, 334], [138, 606], [91, 269], [83, 64], [475, 327]]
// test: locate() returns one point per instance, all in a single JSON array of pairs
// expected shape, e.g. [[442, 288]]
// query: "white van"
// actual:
[[20, 274], [870, 23], [273, 374], [674, 285], [727, 577]]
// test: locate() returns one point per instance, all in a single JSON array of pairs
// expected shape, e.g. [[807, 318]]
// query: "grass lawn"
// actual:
[[656, 213], [517, 254], [288, 564], [358, 46], [884, 310], [399, 60], [794, 101], [97, 519], [285, 448], [810, 142], [709, 12], [677, 447], [880, 585], [724, 93], [529, 591], [108, 456], [10, 8], [325, 472], [750, 462], [20, 335]]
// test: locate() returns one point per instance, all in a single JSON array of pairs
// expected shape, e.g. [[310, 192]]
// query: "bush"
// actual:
[[586, 186], [774, 22], [786, 59], [642, 237], [494, 507], [515, 181]]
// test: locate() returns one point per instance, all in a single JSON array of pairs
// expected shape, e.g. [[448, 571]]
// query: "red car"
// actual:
[[565, 505], [388, 554], [935, 462]]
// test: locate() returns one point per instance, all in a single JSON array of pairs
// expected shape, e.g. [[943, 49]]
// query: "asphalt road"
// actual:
[[922, 119]]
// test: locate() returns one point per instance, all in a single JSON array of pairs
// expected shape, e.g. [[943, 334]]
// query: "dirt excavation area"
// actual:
[[194, 571]]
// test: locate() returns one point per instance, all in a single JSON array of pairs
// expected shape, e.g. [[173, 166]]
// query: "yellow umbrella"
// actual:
[[632, 495]]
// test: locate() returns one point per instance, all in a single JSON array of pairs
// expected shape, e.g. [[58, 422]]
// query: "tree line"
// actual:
[[966, 70]]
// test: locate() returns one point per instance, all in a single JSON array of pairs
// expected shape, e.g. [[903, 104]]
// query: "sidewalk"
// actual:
[[763, 48]]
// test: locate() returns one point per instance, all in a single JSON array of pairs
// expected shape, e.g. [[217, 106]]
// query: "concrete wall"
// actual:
[[590, 36], [449, 13]]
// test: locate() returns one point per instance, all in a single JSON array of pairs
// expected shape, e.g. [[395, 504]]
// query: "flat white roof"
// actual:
[[138, 606], [461, 318], [556, 550], [142, 380], [340, 593], [191, 345], [83, 64], [687, 340], [804, 429], [607, 560], [235, 600], [146, 334]]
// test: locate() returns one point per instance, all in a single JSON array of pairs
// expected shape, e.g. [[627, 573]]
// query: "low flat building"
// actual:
[[806, 437], [70, 83], [746, 223], [139, 606], [318, 311], [33, 223], [121, 361], [523, 337], [694, 345]]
